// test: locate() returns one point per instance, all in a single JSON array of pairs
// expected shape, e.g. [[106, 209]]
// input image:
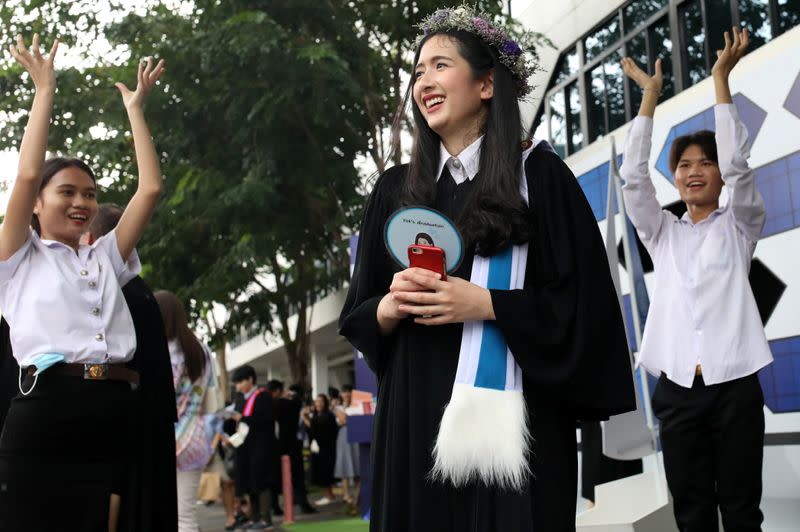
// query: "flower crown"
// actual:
[[517, 55]]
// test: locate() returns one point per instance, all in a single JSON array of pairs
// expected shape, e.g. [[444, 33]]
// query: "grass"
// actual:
[[338, 525]]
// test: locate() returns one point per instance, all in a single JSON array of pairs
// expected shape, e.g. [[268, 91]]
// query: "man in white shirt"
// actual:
[[704, 335]]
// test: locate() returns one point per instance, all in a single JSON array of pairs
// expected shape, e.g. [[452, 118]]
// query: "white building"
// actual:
[[331, 355]]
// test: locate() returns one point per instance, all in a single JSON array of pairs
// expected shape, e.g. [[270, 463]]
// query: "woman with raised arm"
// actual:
[[481, 376], [71, 331], [704, 336]]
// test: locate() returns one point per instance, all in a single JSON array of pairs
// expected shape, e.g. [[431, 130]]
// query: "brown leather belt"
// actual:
[[95, 372]]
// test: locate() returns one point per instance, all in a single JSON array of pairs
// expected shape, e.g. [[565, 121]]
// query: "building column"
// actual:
[[319, 372]]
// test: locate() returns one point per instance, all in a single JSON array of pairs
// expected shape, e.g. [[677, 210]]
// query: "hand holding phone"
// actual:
[[428, 257]]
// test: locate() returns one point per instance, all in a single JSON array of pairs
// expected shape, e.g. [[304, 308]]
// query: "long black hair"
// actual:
[[176, 327], [495, 214], [50, 168]]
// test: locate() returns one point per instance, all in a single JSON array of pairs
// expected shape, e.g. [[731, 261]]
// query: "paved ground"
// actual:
[[212, 518]]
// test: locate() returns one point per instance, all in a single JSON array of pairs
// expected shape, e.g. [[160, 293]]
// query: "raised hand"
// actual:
[[140, 208], [650, 85], [642, 78], [40, 68], [726, 60], [733, 51], [146, 78]]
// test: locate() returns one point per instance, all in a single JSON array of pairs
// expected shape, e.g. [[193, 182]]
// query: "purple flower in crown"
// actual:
[[510, 47], [440, 15], [480, 23]]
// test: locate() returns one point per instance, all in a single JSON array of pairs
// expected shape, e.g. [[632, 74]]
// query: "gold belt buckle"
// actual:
[[95, 372]]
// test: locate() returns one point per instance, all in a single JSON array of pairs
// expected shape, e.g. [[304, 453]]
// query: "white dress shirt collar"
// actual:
[[688, 219], [463, 166], [82, 253]]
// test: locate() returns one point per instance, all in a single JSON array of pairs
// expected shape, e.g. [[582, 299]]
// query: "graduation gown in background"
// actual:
[[564, 329], [324, 430], [257, 457], [288, 416], [152, 502], [9, 372]]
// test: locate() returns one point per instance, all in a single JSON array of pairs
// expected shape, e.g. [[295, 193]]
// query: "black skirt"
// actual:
[[63, 452]]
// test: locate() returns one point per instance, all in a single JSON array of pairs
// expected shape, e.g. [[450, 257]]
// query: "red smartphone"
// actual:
[[428, 257]]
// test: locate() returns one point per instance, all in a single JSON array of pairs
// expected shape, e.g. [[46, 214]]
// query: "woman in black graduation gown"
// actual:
[[563, 325], [323, 429]]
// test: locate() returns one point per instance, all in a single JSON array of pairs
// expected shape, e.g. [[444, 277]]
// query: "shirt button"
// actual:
[[92, 284], [95, 311], [84, 273], [98, 337], [456, 163]]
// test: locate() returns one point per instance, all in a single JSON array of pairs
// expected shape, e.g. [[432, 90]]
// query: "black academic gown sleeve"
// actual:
[[370, 281], [565, 327]]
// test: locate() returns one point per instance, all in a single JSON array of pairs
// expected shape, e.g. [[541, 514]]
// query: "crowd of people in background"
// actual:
[[234, 453]]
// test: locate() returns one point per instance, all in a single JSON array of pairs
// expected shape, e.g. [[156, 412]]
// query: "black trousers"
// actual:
[[260, 504], [713, 443]]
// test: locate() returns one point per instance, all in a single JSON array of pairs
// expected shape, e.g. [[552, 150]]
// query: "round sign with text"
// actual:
[[422, 226]]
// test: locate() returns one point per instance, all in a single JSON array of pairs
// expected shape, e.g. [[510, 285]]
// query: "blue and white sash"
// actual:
[[484, 433]]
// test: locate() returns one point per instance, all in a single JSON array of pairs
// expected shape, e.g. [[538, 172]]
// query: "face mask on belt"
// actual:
[[42, 362]]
